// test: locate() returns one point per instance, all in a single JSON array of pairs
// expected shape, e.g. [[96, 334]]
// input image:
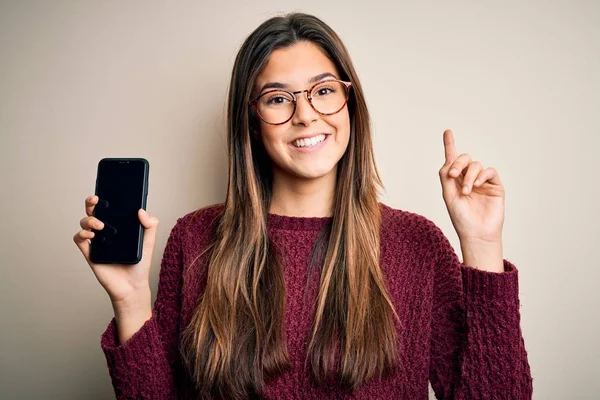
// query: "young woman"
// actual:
[[302, 284]]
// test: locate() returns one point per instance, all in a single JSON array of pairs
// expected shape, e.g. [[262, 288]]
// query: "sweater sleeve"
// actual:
[[477, 347], [147, 365]]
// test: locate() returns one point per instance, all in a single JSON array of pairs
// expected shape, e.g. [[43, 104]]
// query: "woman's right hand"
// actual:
[[125, 284]]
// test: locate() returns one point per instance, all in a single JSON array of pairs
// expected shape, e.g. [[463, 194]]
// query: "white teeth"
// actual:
[[309, 142]]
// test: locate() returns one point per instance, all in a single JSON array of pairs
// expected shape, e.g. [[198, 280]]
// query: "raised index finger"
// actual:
[[449, 147]]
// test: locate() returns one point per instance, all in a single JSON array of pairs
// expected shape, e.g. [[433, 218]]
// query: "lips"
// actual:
[[316, 144], [309, 141], [312, 135]]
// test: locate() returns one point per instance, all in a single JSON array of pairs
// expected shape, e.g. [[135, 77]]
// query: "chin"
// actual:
[[312, 173]]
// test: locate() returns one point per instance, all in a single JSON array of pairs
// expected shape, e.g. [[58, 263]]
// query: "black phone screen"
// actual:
[[122, 187]]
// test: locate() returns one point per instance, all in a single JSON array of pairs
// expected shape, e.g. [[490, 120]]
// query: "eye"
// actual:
[[325, 89], [277, 99]]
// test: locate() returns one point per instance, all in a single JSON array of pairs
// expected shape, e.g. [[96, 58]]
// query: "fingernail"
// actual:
[[465, 189], [477, 182], [453, 171]]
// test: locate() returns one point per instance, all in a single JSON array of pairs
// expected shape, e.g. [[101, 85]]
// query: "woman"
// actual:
[[302, 284]]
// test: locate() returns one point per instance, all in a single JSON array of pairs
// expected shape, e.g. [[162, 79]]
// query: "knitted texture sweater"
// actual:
[[459, 326]]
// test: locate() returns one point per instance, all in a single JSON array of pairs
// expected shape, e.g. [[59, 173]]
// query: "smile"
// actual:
[[310, 142]]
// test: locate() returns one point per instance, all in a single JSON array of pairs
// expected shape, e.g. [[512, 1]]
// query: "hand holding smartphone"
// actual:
[[118, 235]]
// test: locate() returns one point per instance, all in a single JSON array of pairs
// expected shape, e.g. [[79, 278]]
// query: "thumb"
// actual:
[[150, 224]]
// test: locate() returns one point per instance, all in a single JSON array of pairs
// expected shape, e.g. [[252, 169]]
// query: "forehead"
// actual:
[[295, 65]]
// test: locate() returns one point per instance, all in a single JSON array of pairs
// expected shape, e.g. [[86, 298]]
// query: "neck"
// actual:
[[298, 197]]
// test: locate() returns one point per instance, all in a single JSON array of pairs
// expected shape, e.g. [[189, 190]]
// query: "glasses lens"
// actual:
[[275, 107], [329, 97]]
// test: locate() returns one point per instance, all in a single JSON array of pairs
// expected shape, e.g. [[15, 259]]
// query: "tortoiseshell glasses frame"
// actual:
[[347, 85]]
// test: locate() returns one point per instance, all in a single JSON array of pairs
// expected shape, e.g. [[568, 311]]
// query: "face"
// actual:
[[296, 68]]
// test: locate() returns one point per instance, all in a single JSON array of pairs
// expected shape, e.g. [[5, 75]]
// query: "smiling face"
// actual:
[[309, 145]]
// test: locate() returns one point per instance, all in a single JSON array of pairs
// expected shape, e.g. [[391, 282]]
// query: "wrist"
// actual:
[[483, 255], [132, 314], [138, 302]]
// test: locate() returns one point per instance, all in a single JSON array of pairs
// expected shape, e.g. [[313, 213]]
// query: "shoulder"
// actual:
[[409, 222], [202, 216], [198, 223], [410, 227]]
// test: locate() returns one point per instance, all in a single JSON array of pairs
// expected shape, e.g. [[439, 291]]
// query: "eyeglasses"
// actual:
[[277, 106]]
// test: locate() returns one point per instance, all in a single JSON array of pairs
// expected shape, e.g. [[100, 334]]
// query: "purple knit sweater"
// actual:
[[459, 329]]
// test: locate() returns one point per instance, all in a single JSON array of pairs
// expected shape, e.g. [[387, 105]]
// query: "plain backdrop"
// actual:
[[518, 82]]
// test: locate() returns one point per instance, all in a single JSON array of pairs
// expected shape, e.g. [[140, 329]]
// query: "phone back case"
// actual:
[[122, 189]]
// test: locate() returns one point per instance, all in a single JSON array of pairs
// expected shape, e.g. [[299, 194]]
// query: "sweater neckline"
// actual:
[[288, 223]]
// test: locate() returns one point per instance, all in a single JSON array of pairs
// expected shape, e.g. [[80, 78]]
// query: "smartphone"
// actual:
[[122, 189]]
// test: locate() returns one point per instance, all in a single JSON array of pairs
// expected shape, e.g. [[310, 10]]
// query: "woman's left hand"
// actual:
[[474, 196]]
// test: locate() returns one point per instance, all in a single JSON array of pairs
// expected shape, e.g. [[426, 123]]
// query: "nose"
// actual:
[[304, 114]]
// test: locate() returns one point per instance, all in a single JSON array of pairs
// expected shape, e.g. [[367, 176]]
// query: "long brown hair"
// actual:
[[235, 340]]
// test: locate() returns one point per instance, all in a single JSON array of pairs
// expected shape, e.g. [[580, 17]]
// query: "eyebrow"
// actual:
[[279, 85]]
